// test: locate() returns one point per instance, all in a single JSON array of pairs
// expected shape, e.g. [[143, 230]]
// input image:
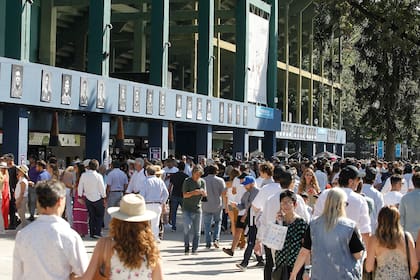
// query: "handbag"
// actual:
[[368, 275], [281, 272], [103, 270], [417, 276]]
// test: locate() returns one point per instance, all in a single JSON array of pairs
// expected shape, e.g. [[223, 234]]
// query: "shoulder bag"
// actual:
[[103, 270], [407, 250]]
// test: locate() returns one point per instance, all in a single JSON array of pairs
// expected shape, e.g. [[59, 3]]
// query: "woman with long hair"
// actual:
[[53, 170], [21, 194], [334, 242], [80, 212], [134, 253], [309, 184], [228, 195], [388, 248]]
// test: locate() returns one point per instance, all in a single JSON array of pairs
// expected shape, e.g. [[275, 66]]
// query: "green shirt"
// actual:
[[192, 204]]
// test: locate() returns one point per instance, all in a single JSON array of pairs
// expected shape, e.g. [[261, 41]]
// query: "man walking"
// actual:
[[212, 208], [175, 191], [155, 194], [116, 184], [57, 251], [138, 178], [193, 189], [91, 184]]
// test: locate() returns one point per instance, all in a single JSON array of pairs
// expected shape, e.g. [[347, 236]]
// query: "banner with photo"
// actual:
[[257, 59]]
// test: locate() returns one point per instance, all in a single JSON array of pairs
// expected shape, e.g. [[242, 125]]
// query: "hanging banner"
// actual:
[[257, 59]]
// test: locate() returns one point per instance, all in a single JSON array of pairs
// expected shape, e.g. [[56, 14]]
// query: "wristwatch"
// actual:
[[308, 268]]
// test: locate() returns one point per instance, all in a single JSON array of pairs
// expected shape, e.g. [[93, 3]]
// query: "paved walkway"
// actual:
[[176, 265]]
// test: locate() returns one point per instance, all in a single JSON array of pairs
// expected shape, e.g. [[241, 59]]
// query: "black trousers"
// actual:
[[268, 267], [96, 211]]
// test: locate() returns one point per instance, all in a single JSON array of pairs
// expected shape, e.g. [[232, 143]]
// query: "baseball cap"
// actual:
[[248, 180]]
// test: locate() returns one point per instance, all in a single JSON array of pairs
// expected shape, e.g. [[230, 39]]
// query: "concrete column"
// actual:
[[99, 37], [269, 144], [240, 141], [205, 47], [98, 131], [159, 43], [204, 140], [241, 60], [272, 54], [15, 132], [48, 33], [17, 17], [158, 136]]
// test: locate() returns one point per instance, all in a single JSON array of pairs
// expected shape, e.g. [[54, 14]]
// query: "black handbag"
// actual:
[[281, 272]]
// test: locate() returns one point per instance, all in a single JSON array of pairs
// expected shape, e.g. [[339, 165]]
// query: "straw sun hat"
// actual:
[[132, 209], [24, 169]]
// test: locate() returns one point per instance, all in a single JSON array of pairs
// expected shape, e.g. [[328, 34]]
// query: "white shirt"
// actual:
[[240, 191], [167, 174], [408, 178], [91, 184], [136, 182], [387, 186], [322, 179], [392, 198], [19, 187], [262, 196], [357, 209], [48, 249], [378, 200]]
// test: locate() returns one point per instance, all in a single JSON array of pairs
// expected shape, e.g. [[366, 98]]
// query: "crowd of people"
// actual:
[[343, 218]]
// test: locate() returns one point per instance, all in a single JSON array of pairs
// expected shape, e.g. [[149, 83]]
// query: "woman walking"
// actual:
[[389, 248], [296, 228], [21, 194], [80, 213], [334, 242], [131, 251], [309, 184]]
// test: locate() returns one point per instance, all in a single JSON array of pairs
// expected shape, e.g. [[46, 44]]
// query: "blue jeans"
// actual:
[[175, 202], [192, 224], [208, 218]]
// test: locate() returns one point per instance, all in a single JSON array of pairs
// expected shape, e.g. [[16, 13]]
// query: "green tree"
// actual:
[[386, 70]]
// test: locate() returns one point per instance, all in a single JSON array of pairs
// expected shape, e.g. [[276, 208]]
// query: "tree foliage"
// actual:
[[386, 65]]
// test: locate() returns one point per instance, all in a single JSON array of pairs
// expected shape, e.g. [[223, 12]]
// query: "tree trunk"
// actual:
[[390, 146]]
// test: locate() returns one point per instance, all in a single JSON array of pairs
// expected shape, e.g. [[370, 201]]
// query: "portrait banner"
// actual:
[[257, 59]]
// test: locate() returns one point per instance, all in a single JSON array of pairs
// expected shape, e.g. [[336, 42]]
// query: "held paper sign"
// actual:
[[274, 236]]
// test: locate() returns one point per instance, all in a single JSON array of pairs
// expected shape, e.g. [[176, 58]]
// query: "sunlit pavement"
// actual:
[[208, 264]]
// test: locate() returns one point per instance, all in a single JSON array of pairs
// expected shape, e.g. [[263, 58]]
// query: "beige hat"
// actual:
[[159, 170], [3, 165], [132, 209], [24, 169], [86, 162]]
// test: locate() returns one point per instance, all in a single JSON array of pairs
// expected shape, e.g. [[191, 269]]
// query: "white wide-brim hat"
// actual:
[[132, 209]]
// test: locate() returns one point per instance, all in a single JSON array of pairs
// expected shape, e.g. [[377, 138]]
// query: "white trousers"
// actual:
[[157, 208]]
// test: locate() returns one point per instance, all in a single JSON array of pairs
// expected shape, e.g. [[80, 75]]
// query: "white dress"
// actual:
[[120, 272]]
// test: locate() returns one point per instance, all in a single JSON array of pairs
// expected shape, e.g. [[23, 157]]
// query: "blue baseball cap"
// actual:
[[248, 180]]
